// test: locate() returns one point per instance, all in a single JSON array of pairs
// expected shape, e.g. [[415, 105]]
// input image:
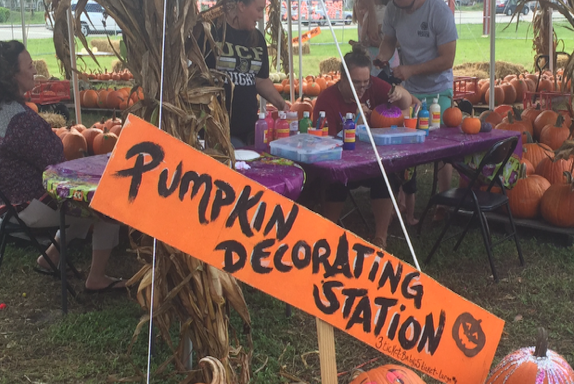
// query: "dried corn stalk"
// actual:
[[187, 291], [274, 29], [61, 36]]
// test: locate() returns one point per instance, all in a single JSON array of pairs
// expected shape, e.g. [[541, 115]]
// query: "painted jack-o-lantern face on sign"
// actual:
[[388, 374]]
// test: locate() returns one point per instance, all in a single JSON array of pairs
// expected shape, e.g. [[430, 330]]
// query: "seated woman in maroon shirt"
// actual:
[[337, 101], [27, 147]]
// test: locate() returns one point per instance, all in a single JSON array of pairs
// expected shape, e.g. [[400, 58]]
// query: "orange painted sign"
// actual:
[[162, 187], [307, 35]]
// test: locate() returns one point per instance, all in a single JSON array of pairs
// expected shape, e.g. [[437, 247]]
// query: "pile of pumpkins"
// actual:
[[312, 85], [544, 187], [110, 98], [99, 139], [512, 88]]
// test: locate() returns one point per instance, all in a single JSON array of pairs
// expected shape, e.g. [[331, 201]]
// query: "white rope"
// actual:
[[150, 332], [379, 161]]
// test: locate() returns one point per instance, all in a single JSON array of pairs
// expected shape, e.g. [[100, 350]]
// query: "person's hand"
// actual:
[[402, 72], [366, 111], [286, 107], [396, 93]]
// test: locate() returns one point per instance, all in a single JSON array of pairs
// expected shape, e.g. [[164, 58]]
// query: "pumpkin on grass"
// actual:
[[75, 145], [535, 152], [542, 120], [524, 199], [557, 204], [533, 365], [388, 374], [555, 134]]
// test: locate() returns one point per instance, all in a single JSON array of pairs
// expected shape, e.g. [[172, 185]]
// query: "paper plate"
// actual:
[[246, 154]]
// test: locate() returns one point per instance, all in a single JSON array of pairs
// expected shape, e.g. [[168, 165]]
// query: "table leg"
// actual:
[[63, 258]]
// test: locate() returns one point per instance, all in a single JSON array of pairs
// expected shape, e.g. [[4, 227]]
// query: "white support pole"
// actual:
[[23, 14], [262, 101], [290, 48], [300, 50], [492, 53], [75, 84], [551, 40], [279, 38]]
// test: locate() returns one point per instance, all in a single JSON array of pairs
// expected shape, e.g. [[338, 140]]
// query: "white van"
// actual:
[[98, 22]]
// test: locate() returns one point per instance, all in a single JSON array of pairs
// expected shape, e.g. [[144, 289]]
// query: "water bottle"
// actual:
[[304, 123], [434, 114], [349, 133], [424, 117], [261, 133]]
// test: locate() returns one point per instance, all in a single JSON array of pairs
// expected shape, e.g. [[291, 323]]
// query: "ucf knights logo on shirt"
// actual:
[[240, 62]]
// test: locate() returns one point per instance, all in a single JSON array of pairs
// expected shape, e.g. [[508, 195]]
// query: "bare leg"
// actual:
[[444, 177], [382, 210], [52, 253], [97, 279], [410, 203]]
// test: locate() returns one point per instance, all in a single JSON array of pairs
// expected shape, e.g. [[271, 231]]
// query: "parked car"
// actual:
[[98, 22], [508, 7]]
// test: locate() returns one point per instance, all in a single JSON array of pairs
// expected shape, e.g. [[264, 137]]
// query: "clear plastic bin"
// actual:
[[307, 148], [392, 136]]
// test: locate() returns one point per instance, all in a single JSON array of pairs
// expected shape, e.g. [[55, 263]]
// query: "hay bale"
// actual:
[[562, 60], [502, 69], [54, 119], [306, 49], [42, 68], [330, 64], [104, 46]]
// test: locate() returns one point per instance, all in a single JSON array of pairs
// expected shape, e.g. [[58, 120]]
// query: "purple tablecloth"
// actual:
[[443, 143], [77, 180]]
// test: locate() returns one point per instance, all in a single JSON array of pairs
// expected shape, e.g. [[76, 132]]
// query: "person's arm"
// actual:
[[444, 61], [266, 89], [400, 97], [387, 48]]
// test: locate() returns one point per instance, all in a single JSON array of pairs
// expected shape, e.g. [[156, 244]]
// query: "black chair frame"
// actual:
[[12, 224], [477, 201]]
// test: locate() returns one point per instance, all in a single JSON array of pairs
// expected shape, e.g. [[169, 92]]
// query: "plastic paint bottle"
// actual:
[[424, 117], [270, 127], [293, 123], [349, 133], [434, 114], [282, 126], [261, 133], [304, 123]]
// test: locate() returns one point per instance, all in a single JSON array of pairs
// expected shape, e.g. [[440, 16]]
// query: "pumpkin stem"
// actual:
[[522, 171], [559, 121], [568, 176], [529, 139], [541, 343], [510, 117]]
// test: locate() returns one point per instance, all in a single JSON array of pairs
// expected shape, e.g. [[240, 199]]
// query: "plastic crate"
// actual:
[[307, 148], [49, 92], [392, 136], [557, 101], [460, 88]]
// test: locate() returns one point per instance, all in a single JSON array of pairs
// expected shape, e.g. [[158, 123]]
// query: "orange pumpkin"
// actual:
[[514, 122], [543, 119], [553, 171], [104, 142], [102, 99], [313, 89], [388, 374], [321, 82], [520, 87], [90, 134], [114, 98], [528, 166], [75, 145], [90, 99], [555, 134], [531, 113], [533, 364], [525, 197], [452, 117], [491, 117], [301, 106], [535, 152], [471, 125], [509, 93], [498, 95], [386, 115], [557, 207]]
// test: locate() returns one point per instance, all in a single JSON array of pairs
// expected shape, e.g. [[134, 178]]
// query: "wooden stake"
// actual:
[[327, 356]]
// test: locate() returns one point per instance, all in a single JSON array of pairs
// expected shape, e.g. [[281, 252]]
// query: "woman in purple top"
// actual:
[[27, 147]]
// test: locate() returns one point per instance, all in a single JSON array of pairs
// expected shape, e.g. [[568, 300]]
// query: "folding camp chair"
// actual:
[[472, 199], [13, 226]]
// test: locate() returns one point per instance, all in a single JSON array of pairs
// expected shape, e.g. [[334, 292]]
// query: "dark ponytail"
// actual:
[[9, 67], [358, 57]]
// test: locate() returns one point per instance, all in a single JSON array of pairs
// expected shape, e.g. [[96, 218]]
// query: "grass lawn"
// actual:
[[89, 345], [15, 18]]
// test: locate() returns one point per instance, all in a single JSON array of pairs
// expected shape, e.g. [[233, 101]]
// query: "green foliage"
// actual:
[[4, 14]]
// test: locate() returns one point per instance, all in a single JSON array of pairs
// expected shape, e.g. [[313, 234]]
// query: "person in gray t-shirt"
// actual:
[[426, 33]]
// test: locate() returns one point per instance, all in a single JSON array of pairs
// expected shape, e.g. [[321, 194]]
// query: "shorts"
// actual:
[[337, 192]]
